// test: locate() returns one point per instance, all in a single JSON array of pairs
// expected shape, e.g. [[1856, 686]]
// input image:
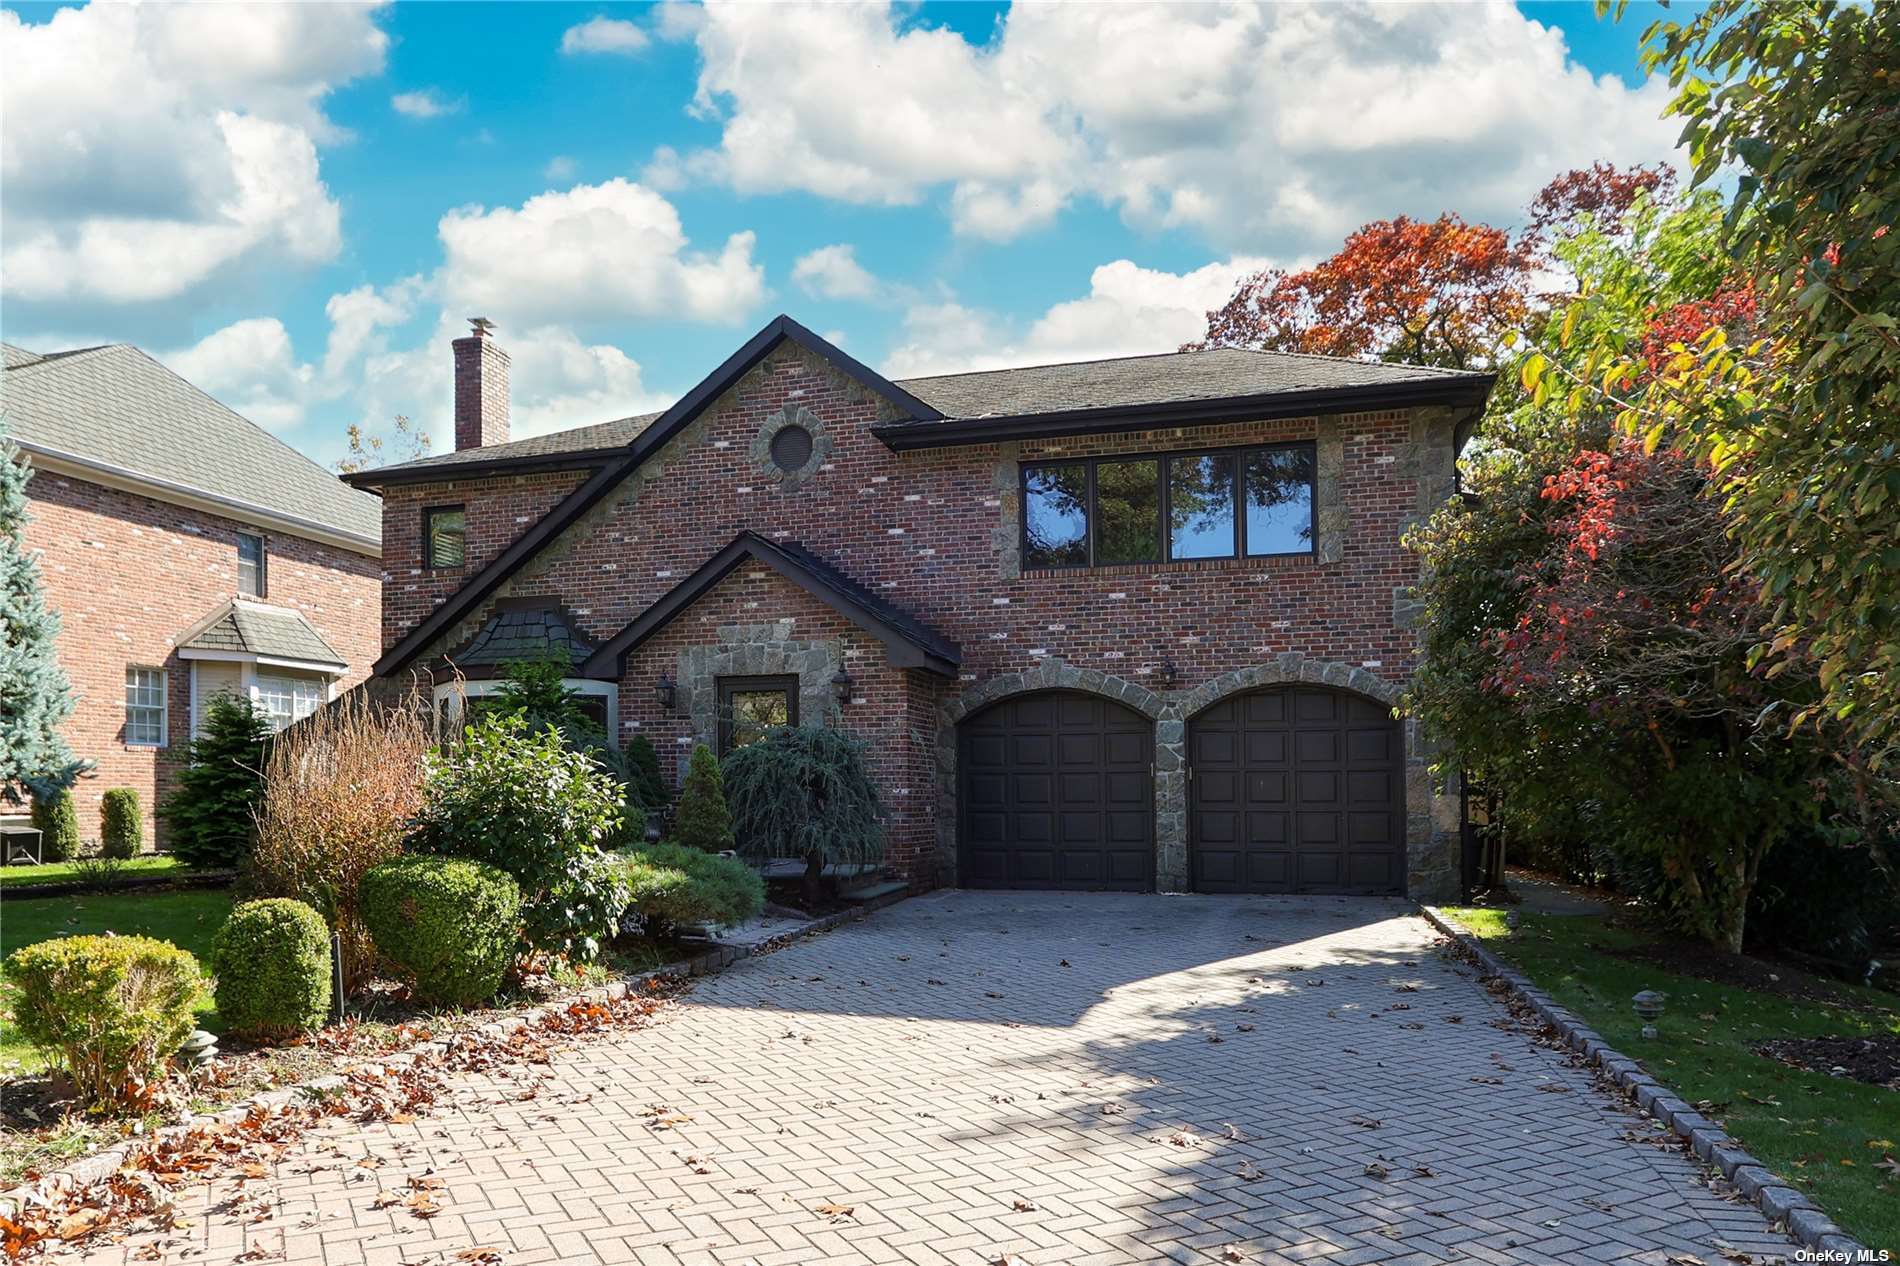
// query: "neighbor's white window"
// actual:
[[145, 706], [287, 699]]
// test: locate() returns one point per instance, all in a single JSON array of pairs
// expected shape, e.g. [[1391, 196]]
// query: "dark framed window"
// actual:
[[250, 565], [444, 536], [1251, 502], [749, 706]]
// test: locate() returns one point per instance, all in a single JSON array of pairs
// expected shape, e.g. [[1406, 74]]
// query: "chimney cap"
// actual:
[[481, 326]]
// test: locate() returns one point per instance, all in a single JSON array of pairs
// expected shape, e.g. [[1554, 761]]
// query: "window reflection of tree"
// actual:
[[1055, 513], [1278, 483], [1201, 505]]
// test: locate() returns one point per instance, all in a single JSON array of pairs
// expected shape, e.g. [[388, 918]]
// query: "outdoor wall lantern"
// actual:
[[841, 685], [1648, 1006], [1170, 674], [666, 691]]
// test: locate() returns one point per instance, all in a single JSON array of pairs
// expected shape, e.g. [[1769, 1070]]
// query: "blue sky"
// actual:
[[296, 205]]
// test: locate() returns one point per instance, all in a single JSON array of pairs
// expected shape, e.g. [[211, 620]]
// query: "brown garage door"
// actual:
[[1056, 793], [1298, 789]]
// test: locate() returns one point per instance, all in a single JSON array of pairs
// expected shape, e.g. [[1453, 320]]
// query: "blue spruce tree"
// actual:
[[34, 694]]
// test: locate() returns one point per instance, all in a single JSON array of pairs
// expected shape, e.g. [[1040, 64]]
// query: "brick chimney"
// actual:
[[481, 388]]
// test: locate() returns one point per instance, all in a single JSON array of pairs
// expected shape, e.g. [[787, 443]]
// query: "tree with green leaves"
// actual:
[[35, 697], [803, 791], [1802, 99], [212, 814], [702, 820]]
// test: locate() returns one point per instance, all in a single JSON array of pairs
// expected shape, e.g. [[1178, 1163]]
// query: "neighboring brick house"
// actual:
[[187, 551], [1129, 623]]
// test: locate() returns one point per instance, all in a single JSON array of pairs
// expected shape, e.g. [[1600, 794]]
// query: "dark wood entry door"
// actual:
[[1056, 791], [1298, 789]]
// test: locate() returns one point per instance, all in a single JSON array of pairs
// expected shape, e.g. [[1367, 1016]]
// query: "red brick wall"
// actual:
[[922, 529], [128, 576], [499, 510]]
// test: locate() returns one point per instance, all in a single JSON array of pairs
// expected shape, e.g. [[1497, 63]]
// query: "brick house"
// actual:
[[188, 552], [1132, 623]]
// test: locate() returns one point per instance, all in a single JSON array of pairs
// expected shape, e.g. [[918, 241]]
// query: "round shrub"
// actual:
[[272, 961], [452, 924], [110, 1010], [121, 823], [671, 885]]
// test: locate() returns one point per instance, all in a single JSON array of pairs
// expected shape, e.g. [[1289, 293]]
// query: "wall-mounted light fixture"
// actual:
[[666, 691], [841, 685], [1170, 674]]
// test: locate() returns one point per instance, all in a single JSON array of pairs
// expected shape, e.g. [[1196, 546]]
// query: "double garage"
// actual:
[[1290, 789]]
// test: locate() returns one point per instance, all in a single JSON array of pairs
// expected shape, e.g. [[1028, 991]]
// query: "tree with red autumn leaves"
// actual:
[[1442, 292]]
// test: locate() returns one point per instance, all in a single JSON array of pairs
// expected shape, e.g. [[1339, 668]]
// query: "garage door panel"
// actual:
[[1076, 807], [1265, 747], [1322, 776]]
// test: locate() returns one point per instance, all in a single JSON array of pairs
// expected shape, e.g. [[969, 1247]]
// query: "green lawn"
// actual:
[[150, 864], [186, 917], [1828, 1135]]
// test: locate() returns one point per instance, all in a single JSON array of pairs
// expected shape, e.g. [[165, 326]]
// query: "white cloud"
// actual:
[[250, 366], [1128, 311], [149, 149], [594, 252], [425, 103], [603, 35], [833, 272], [560, 169], [1261, 127]]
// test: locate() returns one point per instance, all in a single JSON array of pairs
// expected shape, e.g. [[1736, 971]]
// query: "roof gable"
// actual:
[[647, 442], [908, 642], [256, 630], [116, 411]]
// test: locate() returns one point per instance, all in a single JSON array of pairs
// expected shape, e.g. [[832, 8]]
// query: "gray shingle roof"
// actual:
[[1163, 378], [115, 406], [252, 628], [522, 630]]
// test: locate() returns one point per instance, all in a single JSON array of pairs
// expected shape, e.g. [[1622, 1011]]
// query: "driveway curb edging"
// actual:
[[1708, 1141], [98, 1166]]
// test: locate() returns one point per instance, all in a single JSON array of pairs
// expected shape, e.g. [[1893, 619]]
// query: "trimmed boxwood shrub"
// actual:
[[121, 823], [702, 820], [452, 924], [272, 961], [671, 885], [109, 1010], [58, 823]]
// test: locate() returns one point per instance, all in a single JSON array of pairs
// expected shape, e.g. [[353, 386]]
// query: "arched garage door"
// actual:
[[1056, 791], [1296, 789]]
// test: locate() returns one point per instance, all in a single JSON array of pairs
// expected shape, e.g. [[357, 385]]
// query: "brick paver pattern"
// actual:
[[1068, 1077]]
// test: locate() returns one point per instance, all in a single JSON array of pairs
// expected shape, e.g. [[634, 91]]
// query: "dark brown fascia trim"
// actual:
[[626, 460], [609, 663], [1120, 418], [484, 468]]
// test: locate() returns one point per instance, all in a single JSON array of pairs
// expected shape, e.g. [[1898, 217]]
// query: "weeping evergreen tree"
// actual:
[[34, 694], [803, 791]]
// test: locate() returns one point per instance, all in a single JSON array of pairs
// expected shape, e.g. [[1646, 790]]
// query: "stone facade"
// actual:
[[937, 534], [129, 575]]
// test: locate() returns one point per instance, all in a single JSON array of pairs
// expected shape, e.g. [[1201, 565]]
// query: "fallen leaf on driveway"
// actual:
[[1024, 1206], [1554, 1088], [1231, 1254], [1365, 1123], [1184, 1138], [1009, 1259], [1489, 1081], [1375, 1170], [835, 1212]]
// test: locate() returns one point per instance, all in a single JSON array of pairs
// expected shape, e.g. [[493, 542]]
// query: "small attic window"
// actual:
[[791, 448]]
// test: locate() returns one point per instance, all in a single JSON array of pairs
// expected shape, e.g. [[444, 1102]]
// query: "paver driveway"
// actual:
[[1152, 1078]]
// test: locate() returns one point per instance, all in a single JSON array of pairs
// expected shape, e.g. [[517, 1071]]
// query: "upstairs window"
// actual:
[[444, 537], [250, 565], [1174, 507]]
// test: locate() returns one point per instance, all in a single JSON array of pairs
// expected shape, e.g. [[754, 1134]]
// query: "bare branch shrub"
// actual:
[[340, 789]]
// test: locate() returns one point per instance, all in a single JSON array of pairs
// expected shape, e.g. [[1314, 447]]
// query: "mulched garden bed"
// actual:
[[1718, 966], [1874, 1060]]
